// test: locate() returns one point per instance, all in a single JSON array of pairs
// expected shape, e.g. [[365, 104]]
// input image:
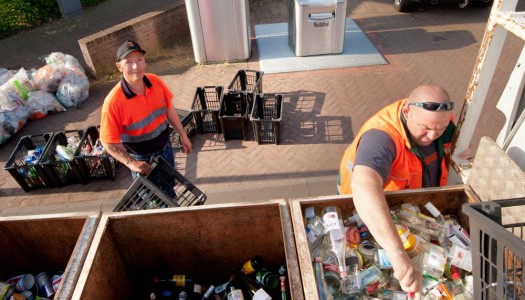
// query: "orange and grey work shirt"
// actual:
[[400, 162], [139, 122]]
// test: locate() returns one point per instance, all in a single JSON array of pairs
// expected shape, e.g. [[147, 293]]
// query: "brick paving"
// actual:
[[322, 110]]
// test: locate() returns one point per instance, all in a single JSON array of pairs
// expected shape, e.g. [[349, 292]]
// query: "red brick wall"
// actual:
[[153, 31]]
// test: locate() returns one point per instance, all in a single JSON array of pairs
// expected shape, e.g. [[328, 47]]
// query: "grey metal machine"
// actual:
[[220, 29], [316, 26]]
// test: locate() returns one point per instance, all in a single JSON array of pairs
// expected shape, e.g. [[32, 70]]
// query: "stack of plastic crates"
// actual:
[[29, 175], [205, 108], [233, 116], [497, 231], [62, 171], [248, 83], [164, 187], [188, 122], [93, 164], [266, 116]]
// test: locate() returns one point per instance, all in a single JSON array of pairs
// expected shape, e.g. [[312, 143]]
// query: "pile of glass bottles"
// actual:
[[350, 264], [250, 281]]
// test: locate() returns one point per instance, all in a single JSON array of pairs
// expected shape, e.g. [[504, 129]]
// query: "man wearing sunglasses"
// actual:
[[403, 146]]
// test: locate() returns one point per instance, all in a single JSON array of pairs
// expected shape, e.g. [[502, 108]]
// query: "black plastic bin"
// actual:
[[62, 172], [232, 115], [266, 116], [205, 109], [498, 248], [29, 176], [248, 83], [188, 122], [102, 166], [164, 187]]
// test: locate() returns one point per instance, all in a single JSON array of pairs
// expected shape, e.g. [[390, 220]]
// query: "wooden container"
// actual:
[[448, 200], [47, 243], [204, 242]]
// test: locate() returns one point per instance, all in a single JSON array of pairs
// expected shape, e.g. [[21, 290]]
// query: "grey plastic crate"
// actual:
[[498, 248]]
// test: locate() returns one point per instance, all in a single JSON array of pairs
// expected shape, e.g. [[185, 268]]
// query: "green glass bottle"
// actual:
[[267, 279]]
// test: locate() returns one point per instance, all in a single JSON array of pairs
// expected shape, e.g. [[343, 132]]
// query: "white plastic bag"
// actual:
[[61, 58], [17, 87], [41, 103], [74, 88], [11, 121]]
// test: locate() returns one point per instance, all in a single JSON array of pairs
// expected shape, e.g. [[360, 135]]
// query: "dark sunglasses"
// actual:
[[434, 106]]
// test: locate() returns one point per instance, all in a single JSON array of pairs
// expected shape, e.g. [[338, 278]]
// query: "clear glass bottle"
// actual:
[[314, 225], [431, 262], [352, 283], [334, 228], [322, 289]]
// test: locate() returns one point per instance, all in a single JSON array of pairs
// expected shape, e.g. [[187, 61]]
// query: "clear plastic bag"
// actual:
[[74, 88], [41, 103], [61, 58], [5, 75], [11, 121], [48, 77]]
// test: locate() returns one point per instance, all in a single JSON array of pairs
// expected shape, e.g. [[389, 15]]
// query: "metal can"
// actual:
[[55, 280]]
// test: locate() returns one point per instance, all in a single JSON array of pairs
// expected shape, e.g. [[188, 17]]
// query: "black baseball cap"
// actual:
[[126, 48]]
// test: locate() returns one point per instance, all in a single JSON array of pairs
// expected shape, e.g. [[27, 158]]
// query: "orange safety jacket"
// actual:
[[407, 168]]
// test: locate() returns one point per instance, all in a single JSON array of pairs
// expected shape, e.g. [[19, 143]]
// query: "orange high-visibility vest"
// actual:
[[407, 168]]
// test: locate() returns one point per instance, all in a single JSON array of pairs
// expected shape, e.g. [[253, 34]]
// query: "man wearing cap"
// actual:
[[136, 113], [403, 146]]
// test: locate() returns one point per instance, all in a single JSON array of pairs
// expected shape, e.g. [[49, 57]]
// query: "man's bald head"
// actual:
[[429, 93]]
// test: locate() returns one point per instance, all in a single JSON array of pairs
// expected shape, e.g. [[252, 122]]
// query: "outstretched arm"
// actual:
[[370, 202]]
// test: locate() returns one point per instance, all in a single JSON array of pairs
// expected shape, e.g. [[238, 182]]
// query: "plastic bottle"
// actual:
[[322, 289], [334, 228], [314, 225]]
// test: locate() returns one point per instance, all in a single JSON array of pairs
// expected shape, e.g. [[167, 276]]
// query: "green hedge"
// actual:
[[20, 15]]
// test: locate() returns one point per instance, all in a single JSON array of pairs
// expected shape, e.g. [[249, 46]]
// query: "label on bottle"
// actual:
[[331, 222], [460, 258], [436, 260], [235, 295], [261, 295], [179, 280], [382, 260], [197, 288], [247, 268], [370, 275]]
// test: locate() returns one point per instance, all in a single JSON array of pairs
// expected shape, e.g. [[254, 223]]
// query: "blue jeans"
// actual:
[[166, 153]]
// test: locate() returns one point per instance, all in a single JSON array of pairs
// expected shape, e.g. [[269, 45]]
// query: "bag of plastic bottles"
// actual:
[[17, 87], [60, 58], [48, 77], [74, 88], [41, 103], [11, 121]]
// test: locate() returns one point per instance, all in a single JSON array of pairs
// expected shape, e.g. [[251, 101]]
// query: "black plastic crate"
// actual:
[[29, 176], [232, 115], [266, 116], [498, 248], [188, 122], [62, 172], [164, 187], [248, 83], [205, 108], [94, 165]]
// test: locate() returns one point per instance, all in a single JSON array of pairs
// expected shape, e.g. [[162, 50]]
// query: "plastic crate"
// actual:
[[164, 187], [205, 108], [248, 83], [266, 116], [232, 115], [498, 248], [94, 166], [32, 176], [62, 172], [188, 122]]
